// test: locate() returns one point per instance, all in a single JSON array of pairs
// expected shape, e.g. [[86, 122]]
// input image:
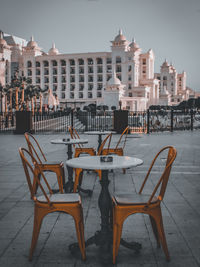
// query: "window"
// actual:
[[129, 86], [46, 71], [99, 61], [90, 70], [129, 68], [72, 87], [63, 79], [99, 78], [144, 61], [81, 70], [72, 70], [109, 60], [98, 94], [54, 63], [90, 86], [37, 64], [80, 95], [129, 77], [29, 72], [118, 60], [109, 69], [37, 71], [81, 87], [63, 71], [46, 63], [99, 86], [99, 70], [90, 61], [46, 79], [72, 62], [29, 64], [80, 61], [37, 80], [63, 62], [63, 95], [54, 87], [55, 79], [63, 87], [71, 95], [118, 69], [130, 94], [108, 77], [81, 78], [89, 95], [90, 78], [164, 78], [54, 71], [72, 79]]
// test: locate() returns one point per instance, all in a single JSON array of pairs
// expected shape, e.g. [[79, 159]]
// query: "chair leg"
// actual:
[[38, 217], [155, 231], [117, 232], [78, 173], [161, 232], [80, 234], [60, 178]]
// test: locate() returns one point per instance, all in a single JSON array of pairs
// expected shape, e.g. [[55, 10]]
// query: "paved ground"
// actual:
[[181, 213]]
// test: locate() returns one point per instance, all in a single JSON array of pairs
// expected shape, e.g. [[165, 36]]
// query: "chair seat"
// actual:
[[136, 199], [59, 198], [52, 163]]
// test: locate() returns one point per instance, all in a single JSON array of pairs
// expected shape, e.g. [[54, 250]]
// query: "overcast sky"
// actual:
[[170, 27]]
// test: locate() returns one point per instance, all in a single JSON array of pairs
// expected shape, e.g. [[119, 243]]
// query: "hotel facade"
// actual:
[[124, 74]]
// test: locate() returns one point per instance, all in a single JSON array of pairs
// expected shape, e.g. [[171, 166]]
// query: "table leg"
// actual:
[[68, 187], [99, 142]]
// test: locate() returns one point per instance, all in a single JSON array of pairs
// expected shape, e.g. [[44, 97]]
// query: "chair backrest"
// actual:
[[74, 135], [31, 169], [124, 136], [108, 137], [34, 148], [162, 183]]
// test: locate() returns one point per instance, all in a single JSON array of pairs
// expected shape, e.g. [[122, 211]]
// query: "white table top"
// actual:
[[98, 132], [94, 163], [71, 141]]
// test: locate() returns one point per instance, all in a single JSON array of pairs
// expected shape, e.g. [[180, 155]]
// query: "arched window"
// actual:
[[37, 64], [80, 61], [63, 62], [90, 61], [54, 63], [164, 78], [72, 62], [46, 63], [99, 60]]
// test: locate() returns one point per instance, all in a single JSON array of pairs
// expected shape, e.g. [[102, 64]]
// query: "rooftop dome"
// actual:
[[114, 80], [133, 45], [32, 43], [120, 37], [53, 50], [2, 41], [165, 64]]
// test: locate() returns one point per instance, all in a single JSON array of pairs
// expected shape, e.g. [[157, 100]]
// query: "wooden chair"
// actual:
[[49, 202], [127, 204], [79, 148], [79, 172], [118, 150], [56, 167]]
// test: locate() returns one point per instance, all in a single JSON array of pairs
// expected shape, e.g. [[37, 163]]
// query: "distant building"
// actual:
[[124, 74]]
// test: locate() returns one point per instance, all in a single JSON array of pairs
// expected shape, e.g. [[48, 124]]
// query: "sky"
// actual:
[[171, 28]]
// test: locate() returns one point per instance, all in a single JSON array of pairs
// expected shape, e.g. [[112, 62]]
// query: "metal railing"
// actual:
[[139, 122]]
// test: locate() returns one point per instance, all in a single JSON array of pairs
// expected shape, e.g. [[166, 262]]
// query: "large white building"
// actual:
[[124, 73]]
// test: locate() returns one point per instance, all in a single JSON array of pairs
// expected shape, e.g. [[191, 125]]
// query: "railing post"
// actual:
[[148, 120], [72, 118], [192, 119], [172, 119]]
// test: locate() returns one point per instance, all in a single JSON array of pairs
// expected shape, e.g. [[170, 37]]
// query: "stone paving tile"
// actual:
[[180, 208]]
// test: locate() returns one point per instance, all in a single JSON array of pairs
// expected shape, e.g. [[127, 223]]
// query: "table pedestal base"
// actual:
[[104, 238]]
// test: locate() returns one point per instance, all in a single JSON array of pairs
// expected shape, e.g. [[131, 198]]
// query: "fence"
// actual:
[[139, 122]]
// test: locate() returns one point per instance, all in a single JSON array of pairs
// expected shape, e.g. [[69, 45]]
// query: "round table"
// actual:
[[68, 187], [103, 238], [99, 133]]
